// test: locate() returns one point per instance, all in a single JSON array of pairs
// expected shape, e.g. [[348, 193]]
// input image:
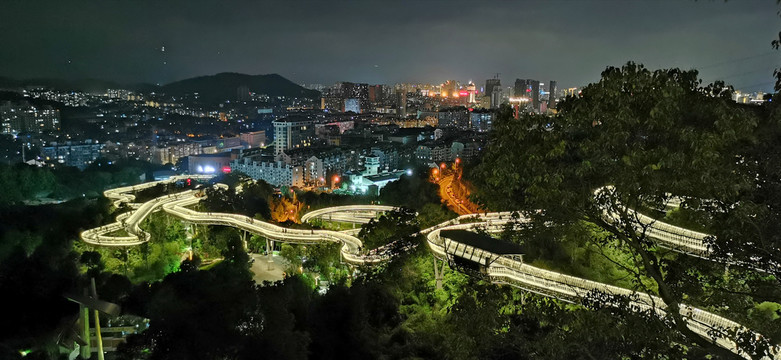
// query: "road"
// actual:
[[453, 203], [502, 269]]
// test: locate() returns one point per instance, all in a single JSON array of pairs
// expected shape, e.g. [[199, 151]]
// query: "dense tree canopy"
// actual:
[[650, 134]]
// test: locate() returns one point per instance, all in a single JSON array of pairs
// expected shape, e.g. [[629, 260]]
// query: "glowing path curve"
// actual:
[[502, 269]]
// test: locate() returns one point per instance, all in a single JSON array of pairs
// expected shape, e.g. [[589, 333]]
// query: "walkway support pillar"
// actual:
[[270, 252], [438, 273], [98, 335], [86, 353]]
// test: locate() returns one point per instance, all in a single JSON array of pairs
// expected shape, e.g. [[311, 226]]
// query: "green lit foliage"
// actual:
[[411, 191], [432, 214], [256, 244], [319, 200], [648, 133], [23, 182], [688, 218], [252, 200], [392, 225], [321, 259], [581, 249]]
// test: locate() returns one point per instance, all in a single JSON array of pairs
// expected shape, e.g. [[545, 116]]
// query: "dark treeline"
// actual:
[[22, 182], [38, 266]]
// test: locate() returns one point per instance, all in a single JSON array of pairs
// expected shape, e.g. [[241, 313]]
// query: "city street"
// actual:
[[453, 203]]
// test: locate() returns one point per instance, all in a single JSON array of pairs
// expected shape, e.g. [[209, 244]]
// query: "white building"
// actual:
[[276, 173]]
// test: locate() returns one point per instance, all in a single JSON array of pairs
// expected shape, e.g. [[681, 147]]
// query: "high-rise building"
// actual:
[[401, 102], [457, 117], [291, 133], [521, 89], [24, 117], [552, 95], [335, 96], [481, 120], [490, 85], [375, 94], [471, 90], [353, 105], [530, 90], [356, 91], [449, 89], [496, 96]]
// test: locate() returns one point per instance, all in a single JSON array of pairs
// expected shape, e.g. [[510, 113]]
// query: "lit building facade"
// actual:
[[293, 134], [80, 155]]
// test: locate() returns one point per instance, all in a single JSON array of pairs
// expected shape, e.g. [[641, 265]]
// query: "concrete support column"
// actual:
[[86, 353], [98, 335], [438, 273], [270, 253]]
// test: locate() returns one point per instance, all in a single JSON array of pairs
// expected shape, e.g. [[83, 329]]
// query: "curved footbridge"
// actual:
[[503, 264], [176, 205], [360, 214], [453, 241]]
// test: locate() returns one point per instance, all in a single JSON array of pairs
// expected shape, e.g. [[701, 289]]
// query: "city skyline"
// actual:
[[371, 43]]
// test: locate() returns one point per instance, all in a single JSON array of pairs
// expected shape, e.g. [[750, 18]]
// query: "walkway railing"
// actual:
[[501, 269]]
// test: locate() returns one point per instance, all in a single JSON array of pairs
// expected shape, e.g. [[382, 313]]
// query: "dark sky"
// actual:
[[387, 41]]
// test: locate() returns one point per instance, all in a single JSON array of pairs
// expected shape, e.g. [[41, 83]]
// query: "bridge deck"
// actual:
[[482, 241]]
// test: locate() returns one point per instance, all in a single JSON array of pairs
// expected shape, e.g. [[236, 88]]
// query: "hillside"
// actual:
[[86, 85], [212, 89], [223, 86]]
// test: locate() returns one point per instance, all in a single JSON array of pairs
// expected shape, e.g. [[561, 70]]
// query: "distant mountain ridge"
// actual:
[[86, 85], [211, 88], [224, 86]]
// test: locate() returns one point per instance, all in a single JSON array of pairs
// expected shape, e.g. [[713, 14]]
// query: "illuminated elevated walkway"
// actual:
[[502, 265], [350, 213], [451, 241]]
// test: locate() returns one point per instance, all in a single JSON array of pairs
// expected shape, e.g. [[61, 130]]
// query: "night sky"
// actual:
[[387, 41]]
